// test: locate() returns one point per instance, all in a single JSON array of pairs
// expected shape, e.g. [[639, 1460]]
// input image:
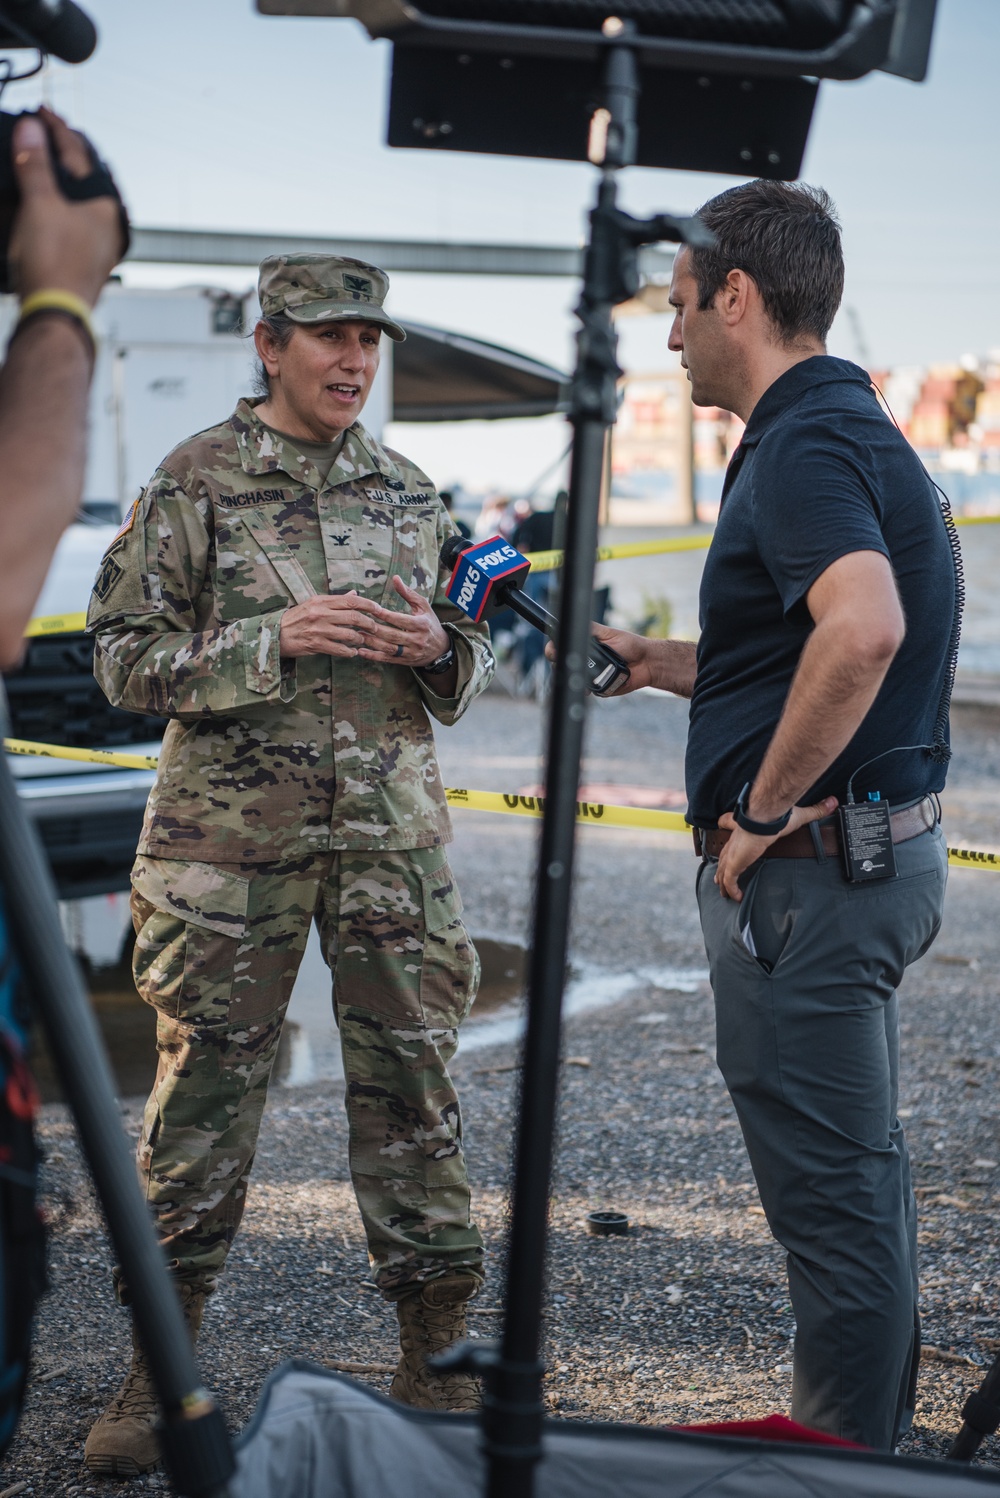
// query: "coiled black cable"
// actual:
[[940, 750]]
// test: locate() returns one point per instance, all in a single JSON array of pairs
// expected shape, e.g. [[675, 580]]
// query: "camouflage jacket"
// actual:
[[267, 757]]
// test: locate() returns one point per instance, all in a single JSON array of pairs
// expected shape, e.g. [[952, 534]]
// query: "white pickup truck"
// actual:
[[170, 363], [88, 815]]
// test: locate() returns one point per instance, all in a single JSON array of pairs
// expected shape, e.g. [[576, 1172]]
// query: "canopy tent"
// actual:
[[442, 376]]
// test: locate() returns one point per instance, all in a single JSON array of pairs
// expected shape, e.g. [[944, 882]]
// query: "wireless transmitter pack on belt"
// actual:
[[486, 577], [62, 29]]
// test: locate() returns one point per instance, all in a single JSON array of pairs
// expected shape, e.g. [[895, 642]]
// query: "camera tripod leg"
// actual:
[[196, 1446], [980, 1417], [513, 1408]]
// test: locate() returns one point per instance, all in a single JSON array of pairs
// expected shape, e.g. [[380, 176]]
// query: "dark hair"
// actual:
[[786, 237], [280, 329]]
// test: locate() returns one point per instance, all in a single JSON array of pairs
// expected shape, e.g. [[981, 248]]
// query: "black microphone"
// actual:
[[485, 578], [55, 26]]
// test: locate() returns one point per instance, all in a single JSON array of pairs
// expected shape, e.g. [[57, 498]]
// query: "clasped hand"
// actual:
[[348, 626], [744, 848]]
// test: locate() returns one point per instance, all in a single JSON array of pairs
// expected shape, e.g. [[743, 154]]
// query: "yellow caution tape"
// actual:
[[969, 858], [87, 756], [541, 561], [548, 561], [588, 813], [56, 624]]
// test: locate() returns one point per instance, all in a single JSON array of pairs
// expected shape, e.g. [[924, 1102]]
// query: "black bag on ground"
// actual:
[[317, 1434]]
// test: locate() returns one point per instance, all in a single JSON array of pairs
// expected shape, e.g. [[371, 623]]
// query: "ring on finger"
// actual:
[[399, 650]]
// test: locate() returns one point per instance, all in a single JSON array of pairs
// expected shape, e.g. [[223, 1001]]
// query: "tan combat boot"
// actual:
[[431, 1318], [123, 1441]]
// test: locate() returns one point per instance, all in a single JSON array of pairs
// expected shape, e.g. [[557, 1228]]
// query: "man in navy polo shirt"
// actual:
[[823, 672]]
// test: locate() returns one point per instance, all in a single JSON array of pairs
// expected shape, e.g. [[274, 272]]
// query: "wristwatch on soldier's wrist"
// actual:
[[444, 662], [759, 829]]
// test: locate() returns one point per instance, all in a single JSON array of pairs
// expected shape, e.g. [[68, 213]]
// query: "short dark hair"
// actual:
[[280, 328], [786, 237]]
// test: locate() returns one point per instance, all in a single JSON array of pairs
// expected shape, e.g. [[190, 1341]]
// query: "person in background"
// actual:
[[491, 518], [447, 499], [532, 533]]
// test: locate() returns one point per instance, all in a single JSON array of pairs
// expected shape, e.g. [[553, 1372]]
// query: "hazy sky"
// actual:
[[216, 117]]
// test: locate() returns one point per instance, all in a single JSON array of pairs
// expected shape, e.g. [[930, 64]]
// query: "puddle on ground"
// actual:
[[310, 1050], [504, 974]]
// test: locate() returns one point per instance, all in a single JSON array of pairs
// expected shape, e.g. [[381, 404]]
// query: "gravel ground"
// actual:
[[687, 1317]]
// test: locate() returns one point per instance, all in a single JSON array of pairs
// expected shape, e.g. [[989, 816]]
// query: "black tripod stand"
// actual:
[[980, 1417], [512, 1372], [195, 1444]]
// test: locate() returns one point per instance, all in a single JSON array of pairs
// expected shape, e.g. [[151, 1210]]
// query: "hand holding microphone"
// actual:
[[486, 577]]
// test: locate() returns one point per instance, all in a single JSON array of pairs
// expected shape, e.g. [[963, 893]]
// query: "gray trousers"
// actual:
[[808, 1044]]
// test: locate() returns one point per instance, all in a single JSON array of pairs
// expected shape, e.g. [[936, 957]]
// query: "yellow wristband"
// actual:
[[54, 300]]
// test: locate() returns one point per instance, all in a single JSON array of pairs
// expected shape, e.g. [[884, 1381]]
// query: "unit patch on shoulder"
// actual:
[[109, 574]]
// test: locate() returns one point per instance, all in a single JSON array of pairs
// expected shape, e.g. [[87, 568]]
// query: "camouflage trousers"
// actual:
[[217, 950]]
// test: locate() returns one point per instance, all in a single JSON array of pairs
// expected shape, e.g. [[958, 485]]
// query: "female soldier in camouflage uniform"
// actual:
[[276, 594]]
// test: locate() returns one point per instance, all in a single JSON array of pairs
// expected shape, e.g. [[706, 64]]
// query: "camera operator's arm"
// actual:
[[56, 245], [668, 665]]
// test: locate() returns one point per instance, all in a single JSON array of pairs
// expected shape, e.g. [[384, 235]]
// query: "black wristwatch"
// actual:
[[443, 663], [759, 829]]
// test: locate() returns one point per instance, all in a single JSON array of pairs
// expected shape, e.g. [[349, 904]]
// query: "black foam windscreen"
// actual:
[[56, 26]]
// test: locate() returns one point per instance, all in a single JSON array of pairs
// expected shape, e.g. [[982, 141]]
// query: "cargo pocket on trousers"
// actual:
[[449, 974], [190, 921]]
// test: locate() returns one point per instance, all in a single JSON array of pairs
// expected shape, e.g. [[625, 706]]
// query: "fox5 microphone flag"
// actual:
[[477, 571]]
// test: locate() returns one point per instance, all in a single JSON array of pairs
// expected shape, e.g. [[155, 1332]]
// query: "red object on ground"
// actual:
[[774, 1428]]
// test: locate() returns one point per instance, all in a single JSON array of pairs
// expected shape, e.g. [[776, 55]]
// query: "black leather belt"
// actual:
[[910, 822]]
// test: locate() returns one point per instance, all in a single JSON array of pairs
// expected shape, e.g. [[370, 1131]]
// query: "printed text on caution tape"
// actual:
[[588, 813]]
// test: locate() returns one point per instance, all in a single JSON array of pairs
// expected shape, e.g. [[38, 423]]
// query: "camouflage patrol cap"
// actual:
[[325, 288]]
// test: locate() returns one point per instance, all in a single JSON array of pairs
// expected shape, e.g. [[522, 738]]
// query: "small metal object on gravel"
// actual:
[[606, 1224], [18, 1487], [44, 1378]]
